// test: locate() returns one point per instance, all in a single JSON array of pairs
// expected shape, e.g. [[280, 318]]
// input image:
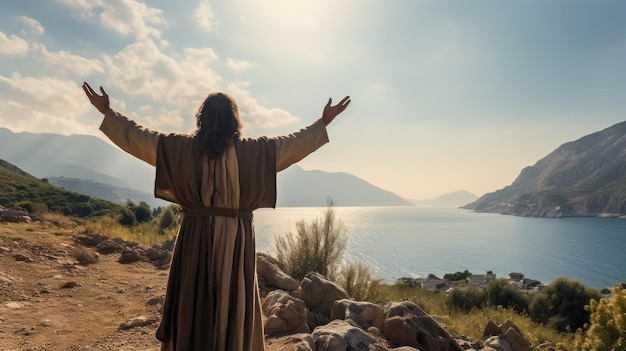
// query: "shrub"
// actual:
[[315, 247], [142, 212], [167, 218], [357, 280], [467, 299], [32, 207], [501, 293], [561, 305], [127, 217], [453, 277], [607, 326]]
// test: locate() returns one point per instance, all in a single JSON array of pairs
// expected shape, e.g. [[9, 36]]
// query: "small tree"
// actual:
[[561, 304], [607, 326], [167, 218], [501, 293], [316, 246]]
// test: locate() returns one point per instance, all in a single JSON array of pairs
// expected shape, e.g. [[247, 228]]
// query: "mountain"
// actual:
[[117, 194], [89, 165], [297, 187], [586, 177], [20, 188], [75, 156], [454, 199]]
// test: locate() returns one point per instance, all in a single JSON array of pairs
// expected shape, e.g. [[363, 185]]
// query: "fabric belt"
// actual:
[[217, 212]]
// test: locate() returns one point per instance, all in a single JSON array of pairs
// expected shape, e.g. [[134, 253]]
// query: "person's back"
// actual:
[[212, 300]]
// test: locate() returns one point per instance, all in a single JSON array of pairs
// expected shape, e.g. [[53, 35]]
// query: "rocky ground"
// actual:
[[61, 289], [48, 301]]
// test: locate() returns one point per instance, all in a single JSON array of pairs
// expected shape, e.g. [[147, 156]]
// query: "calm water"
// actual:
[[413, 241]]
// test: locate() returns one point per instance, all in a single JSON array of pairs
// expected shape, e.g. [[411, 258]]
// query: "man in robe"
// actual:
[[218, 179]]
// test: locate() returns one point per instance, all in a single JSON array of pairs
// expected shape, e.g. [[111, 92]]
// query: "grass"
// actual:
[[147, 233], [472, 324]]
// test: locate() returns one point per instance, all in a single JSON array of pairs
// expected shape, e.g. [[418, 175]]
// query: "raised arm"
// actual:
[[294, 147], [125, 133]]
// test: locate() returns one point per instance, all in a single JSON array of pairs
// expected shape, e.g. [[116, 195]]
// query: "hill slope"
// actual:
[[17, 186], [586, 177]]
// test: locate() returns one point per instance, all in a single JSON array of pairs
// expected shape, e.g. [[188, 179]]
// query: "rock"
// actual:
[[13, 305], [319, 296], [70, 285], [136, 322], [15, 215], [339, 335], [406, 324], [505, 337], [90, 239], [365, 314], [516, 340], [285, 314], [130, 256], [4, 250], [109, 246], [22, 257], [156, 300], [498, 344], [295, 342], [268, 271]]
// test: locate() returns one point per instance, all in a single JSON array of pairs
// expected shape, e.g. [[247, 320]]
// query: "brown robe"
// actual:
[[212, 300]]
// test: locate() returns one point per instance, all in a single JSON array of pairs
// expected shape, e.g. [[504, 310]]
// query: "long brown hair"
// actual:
[[218, 124]]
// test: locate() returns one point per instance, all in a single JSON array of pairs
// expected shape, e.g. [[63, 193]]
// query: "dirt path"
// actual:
[[49, 302]]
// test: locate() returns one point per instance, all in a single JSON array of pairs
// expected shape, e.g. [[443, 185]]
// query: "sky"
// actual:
[[446, 95]]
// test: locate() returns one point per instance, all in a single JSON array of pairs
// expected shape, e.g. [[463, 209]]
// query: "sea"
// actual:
[[411, 241]]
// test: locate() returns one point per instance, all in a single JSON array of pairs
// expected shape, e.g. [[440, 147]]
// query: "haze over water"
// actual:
[[413, 241]]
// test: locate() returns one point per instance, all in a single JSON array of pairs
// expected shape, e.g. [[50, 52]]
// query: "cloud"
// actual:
[[238, 65], [205, 16], [71, 63], [32, 23], [125, 17], [12, 45], [42, 105]]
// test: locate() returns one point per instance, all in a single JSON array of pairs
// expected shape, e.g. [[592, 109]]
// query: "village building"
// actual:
[[480, 280]]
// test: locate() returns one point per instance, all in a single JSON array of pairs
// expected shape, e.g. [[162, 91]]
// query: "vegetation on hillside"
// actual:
[[20, 189]]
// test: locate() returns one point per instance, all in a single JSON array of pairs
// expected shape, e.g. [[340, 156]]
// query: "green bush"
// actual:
[[607, 326], [501, 293], [167, 218], [467, 299], [315, 247], [357, 280], [561, 305]]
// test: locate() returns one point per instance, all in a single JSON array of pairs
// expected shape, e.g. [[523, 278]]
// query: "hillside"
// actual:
[[109, 192], [18, 187], [586, 177], [89, 160]]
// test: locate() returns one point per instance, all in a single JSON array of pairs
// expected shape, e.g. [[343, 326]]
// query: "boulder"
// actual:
[[406, 324], [505, 337], [285, 314], [295, 342], [365, 314], [319, 296], [90, 239], [14, 215], [340, 335], [272, 276]]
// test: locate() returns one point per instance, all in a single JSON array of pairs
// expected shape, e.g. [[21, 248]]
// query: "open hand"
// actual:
[[330, 112], [101, 102]]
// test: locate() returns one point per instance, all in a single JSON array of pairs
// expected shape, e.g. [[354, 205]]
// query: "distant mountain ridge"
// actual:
[[454, 199], [586, 177], [79, 161]]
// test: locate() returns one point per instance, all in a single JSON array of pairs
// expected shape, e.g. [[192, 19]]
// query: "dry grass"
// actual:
[[145, 233], [472, 324]]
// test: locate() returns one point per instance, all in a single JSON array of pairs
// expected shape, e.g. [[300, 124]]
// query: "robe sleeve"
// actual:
[[296, 146], [130, 137]]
